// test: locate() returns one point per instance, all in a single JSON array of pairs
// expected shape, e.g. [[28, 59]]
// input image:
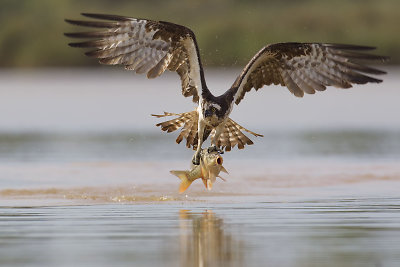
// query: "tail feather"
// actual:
[[189, 122], [244, 129], [191, 135], [187, 128], [166, 114], [231, 136], [183, 175], [170, 125], [184, 133]]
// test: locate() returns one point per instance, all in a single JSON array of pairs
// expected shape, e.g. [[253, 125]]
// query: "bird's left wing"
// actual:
[[306, 68], [145, 46]]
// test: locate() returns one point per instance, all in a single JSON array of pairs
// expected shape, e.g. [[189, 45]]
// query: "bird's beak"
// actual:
[[207, 113]]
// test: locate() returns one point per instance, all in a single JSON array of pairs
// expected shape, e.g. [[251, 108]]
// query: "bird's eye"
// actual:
[[213, 109]]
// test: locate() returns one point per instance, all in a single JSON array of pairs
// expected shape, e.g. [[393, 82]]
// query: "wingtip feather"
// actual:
[[94, 24], [351, 47], [105, 16]]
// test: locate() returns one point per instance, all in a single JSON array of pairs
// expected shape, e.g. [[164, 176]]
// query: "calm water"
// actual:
[[336, 232], [84, 176]]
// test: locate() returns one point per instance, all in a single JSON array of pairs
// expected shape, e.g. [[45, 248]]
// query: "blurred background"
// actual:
[[229, 32], [50, 88]]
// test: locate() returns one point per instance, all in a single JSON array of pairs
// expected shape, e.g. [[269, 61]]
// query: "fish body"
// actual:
[[208, 170]]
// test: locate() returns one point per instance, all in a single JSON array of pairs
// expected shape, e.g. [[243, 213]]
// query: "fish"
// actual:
[[208, 170]]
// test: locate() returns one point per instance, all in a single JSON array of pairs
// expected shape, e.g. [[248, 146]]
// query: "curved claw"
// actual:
[[215, 149], [196, 158]]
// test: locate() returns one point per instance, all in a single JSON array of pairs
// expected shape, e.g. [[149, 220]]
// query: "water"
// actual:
[[335, 232], [84, 176]]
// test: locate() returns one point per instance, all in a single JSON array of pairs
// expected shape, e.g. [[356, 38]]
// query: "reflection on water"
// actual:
[[283, 204], [319, 232], [205, 241]]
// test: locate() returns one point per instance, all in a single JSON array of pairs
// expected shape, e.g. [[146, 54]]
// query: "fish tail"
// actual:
[[183, 175]]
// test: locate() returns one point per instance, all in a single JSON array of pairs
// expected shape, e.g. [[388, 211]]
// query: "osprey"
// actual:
[[151, 47]]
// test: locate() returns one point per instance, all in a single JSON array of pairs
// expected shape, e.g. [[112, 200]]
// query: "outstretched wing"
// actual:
[[145, 46], [306, 68]]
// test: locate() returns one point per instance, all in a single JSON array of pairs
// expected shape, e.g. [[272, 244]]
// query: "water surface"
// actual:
[[84, 176], [335, 232]]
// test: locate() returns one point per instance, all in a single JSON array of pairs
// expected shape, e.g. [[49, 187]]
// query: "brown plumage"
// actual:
[[307, 68], [152, 47], [142, 45], [231, 136]]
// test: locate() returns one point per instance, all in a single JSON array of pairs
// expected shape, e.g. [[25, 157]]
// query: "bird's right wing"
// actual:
[[145, 46]]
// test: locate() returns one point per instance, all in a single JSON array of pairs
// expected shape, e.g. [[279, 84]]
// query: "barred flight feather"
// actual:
[[152, 47], [144, 46], [231, 136], [307, 68]]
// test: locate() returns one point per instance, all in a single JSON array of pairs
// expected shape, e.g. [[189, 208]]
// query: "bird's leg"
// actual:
[[200, 133], [214, 142]]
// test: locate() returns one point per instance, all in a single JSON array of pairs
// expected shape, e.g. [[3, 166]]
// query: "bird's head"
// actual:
[[212, 110]]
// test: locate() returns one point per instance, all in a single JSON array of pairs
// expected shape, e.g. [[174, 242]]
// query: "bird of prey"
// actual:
[[151, 47]]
